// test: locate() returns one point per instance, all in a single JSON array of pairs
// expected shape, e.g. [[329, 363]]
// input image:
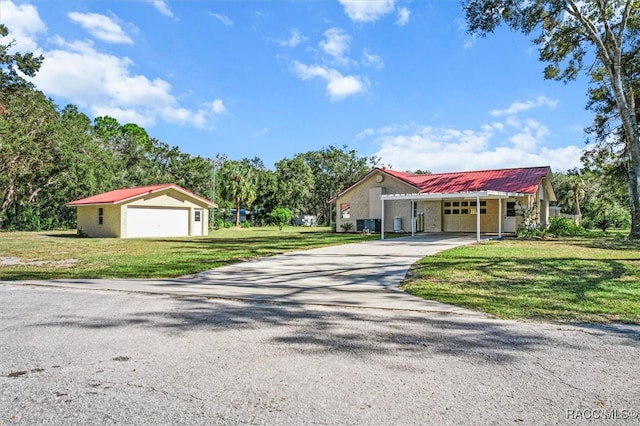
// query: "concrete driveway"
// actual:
[[364, 275]]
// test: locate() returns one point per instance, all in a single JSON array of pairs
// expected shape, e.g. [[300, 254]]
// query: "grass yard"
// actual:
[[584, 279], [60, 254]]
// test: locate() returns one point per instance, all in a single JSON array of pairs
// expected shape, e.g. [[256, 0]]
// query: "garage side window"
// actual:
[[100, 215], [197, 216], [345, 211]]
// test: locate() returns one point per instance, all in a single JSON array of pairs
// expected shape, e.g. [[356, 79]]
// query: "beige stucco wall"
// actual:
[[88, 221], [432, 215], [358, 198]]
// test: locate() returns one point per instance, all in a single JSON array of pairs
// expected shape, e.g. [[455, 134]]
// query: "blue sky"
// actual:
[[270, 79]]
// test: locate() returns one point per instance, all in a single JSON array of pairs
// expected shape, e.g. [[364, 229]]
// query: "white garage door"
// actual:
[[148, 222]]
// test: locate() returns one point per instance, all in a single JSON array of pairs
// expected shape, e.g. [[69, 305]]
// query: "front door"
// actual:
[[509, 223], [196, 226]]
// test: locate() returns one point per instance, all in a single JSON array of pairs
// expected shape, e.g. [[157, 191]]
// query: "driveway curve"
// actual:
[[364, 275]]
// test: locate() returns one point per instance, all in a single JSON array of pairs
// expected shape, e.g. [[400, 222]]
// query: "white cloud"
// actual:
[[517, 143], [223, 18], [262, 132], [367, 10], [125, 115], [403, 16], [101, 27], [24, 24], [294, 39], [186, 117], [518, 107], [106, 85], [433, 149], [470, 41], [338, 86], [162, 7], [528, 137], [336, 45], [372, 60], [218, 106]]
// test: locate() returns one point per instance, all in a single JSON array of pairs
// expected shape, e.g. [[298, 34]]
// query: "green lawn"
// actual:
[[585, 279], [60, 254]]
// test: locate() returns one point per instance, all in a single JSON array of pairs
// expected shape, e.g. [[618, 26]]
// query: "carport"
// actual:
[[473, 196]]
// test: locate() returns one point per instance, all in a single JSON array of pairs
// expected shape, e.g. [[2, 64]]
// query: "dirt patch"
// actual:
[[16, 261]]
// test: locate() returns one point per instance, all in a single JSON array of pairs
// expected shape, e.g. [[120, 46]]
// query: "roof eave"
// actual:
[[447, 195]]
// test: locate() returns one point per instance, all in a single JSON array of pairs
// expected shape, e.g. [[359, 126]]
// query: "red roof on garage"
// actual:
[[119, 195], [519, 180]]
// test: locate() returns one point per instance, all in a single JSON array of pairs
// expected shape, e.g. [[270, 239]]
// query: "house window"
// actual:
[[483, 211], [464, 211], [456, 204], [447, 211], [456, 211], [100, 215], [483, 203], [345, 211], [197, 216], [473, 204], [464, 204], [511, 208], [447, 203]]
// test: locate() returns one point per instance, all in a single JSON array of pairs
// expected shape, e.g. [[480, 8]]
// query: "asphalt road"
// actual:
[[73, 356]]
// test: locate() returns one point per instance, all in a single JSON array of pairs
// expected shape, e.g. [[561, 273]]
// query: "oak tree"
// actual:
[[576, 36]]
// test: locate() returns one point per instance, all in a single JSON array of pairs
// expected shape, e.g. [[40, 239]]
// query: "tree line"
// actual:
[[50, 156]]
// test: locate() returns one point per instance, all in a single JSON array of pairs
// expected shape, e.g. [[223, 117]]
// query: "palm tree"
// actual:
[[578, 192], [237, 183]]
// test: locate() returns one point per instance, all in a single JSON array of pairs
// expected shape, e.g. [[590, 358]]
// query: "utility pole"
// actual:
[[212, 216]]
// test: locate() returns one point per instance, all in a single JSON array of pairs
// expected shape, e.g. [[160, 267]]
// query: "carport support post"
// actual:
[[382, 220], [478, 218], [499, 217], [413, 223]]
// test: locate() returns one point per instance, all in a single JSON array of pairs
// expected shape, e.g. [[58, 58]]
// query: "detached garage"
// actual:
[[147, 211]]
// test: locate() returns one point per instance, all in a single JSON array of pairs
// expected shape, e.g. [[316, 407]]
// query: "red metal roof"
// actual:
[[522, 180], [519, 180], [120, 195]]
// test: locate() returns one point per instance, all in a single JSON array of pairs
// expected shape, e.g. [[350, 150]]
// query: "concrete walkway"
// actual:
[[364, 275]]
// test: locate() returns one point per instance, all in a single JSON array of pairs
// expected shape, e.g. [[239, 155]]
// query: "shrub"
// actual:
[[280, 216], [603, 223], [528, 232], [347, 226], [587, 223], [564, 227]]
